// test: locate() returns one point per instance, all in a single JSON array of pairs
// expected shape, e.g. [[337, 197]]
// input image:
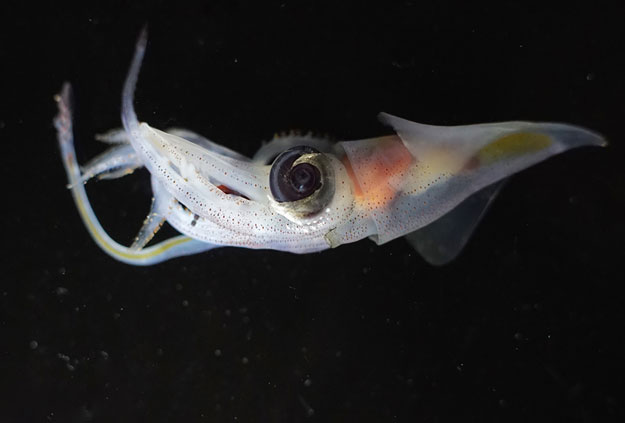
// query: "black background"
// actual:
[[527, 325]]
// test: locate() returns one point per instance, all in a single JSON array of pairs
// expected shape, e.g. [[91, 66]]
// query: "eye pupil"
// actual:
[[305, 178], [291, 183]]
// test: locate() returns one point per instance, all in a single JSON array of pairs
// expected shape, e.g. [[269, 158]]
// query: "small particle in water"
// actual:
[[245, 360], [33, 345], [104, 355], [590, 76], [185, 303], [85, 414], [228, 313], [178, 287], [518, 336], [217, 352], [63, 357], [307, 382], [62, 271], [309, 410], [60, 290]]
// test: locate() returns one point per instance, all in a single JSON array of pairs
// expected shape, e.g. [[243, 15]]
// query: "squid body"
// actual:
[[303, 194]]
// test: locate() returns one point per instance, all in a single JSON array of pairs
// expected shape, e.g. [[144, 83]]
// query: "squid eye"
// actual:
[[292, 183], [301, 181]]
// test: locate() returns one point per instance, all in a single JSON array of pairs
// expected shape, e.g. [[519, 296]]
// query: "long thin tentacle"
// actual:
[[170, 248]]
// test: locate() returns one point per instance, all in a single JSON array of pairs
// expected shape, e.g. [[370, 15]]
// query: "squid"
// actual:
[[303, 194]]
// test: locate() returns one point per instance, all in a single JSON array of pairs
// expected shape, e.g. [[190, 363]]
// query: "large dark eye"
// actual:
[[289, 182], [301, 182]]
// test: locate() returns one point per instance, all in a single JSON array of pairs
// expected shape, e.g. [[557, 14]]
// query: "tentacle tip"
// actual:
[[64, 94], [143, 36]]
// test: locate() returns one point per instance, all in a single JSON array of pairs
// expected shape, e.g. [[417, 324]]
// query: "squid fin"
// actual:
[[442, 240]]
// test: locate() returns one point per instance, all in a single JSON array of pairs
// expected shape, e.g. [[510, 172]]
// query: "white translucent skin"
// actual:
[[441, 173], [385, 187]]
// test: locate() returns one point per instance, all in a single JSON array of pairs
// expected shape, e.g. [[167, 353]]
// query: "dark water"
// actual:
[[526, 326]]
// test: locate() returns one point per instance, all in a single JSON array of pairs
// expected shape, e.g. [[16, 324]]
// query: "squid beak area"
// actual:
[[230, 191], [204, 164]]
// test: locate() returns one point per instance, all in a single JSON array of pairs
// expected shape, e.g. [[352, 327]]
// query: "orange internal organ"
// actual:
[[376, 170]]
